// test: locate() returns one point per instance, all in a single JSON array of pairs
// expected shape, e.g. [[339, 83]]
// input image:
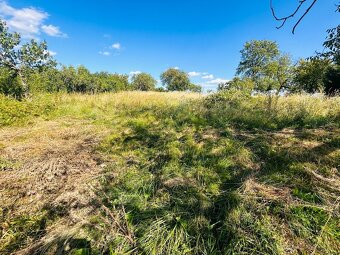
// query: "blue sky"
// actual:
[[200, 37]]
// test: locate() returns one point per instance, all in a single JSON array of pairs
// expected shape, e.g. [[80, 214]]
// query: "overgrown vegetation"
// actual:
[[95, 163], [184, 174]]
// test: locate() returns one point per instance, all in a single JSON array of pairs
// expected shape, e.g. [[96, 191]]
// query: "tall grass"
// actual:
[[219, 174], [235, 109]]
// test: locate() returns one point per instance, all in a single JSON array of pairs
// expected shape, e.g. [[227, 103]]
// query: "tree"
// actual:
[[105, 82], [175, 80], [53, 80], [246, 85], [21, 58], [195, 88], [68, 77], [332, 52], [309, 75], [84, 81], [332, 81], [332, 45], [9, 84], [265, 65], [143, 82]]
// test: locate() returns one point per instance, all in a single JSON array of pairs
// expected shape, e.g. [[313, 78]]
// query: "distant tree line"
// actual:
[[29, 67]]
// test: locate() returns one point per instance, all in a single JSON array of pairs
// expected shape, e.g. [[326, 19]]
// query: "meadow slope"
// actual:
[[169, 173]]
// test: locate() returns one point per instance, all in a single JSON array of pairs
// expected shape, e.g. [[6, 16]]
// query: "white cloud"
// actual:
[[193, 74], [217, 81], [104, 53], [29, 21], [116, 46], [134, 73], [52, 53], [53, 31], [176, 67], [208, 77]]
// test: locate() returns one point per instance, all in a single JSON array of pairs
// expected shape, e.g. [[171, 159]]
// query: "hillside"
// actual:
[[169, 173]]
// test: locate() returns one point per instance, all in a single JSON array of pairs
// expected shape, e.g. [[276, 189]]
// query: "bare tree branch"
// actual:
[[284, 19]]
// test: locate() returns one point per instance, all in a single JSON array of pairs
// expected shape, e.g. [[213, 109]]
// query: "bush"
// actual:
[[9, 84], [332, 81]]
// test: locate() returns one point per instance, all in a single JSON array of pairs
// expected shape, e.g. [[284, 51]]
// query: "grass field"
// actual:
[[169, 173]]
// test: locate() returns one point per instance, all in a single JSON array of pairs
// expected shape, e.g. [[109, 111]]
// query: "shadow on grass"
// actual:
[[178, 188], [182, 184]]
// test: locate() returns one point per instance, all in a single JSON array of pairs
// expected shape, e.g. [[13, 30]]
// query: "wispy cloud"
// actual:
[[217, 81], [114, 49], [135, 72], [29, 21], [53, 31], [194, 74], [203, 75], [52, 53], [104, 53], [116, 46], [208, 76]]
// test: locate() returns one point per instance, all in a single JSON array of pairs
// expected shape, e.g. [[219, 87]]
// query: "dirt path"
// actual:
[[49, 165]]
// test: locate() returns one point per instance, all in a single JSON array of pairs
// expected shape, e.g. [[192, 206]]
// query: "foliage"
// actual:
[[332, 80], [309, 75], [143, 82], [22, 58], [245, 84], [175, 80], [195, 88], [19, 112], [9, 84], [76, 79], [265, 65], [332, 43], [105, 82]]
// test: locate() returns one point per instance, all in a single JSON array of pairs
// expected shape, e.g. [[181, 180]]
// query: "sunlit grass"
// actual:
[[192, 174]]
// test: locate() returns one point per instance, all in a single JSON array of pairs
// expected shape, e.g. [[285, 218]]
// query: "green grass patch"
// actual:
[[212, 175]]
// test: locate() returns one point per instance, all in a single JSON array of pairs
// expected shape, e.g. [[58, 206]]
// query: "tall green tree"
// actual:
[[21, 58], [175, 80], [143, 82], [263, 63]]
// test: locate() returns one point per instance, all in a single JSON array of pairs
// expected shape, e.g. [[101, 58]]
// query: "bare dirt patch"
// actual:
[[54, 163]]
